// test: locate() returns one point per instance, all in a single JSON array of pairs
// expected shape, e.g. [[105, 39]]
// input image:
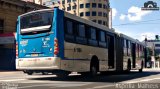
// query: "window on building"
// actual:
[[94, 5], [104, 23], [87, 5], [104, 14], [69, 8], [63, 1], [99, 13], [99, 5], [74, 12], [88, 13], [63, 9], [74, 7], [81, 5], [1, 25], [74, 0], [99, 21], [68, 1], [81, 14], [104, 6], [94, 13], [94, 20]]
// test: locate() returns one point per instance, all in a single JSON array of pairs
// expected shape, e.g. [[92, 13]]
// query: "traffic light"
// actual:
[[157, 37]]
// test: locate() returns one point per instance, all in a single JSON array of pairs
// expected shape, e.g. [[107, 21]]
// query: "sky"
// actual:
[[128, 18]]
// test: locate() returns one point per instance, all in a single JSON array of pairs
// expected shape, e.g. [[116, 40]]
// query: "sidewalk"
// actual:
[[9, 71], [151, 69]]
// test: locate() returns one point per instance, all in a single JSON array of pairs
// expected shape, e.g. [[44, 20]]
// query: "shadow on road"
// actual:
[[110, 77]]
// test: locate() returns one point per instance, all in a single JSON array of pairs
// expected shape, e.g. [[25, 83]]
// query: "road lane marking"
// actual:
[[55, 85], [35, 86], [97, 87], [12, 80], [144, 80], [138, 81]]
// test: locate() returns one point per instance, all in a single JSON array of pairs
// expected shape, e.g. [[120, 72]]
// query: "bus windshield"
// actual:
[[35, 22]]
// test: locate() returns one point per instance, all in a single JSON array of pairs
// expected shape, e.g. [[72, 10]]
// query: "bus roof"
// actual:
[[74, 17], [41, 10], [88, 22], [131, 39]]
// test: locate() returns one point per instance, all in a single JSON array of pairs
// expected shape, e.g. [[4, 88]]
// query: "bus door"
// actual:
[[134, 55], [111, 51]]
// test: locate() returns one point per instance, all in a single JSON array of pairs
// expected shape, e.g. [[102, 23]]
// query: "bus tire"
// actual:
[[141, 70], [29, 72], [44, 73], [84, 73], [63, 74], [94, 66], [129, 65], [93, 71]]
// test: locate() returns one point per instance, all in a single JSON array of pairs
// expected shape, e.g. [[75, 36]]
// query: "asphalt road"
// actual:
[[149, 79]]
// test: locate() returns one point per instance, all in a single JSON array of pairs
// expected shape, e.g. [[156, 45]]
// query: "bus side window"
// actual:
[[81, 34], [107, 40], [92, 37], [69, 34], [124, 43], [102, 39], [127, 44]]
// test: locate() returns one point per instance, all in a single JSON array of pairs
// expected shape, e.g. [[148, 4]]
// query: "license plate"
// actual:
[[34, 55]]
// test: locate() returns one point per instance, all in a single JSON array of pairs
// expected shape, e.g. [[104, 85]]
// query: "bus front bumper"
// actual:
[[39, 63]]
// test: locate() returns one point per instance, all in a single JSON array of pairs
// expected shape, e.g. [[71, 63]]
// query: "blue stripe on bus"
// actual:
[[59, 30]]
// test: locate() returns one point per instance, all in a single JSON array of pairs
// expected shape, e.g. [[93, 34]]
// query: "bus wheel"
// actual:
[[44, 73], [93, 71], [141, 70], [29, 72], [129, 66], [84, 73], [63, 74]]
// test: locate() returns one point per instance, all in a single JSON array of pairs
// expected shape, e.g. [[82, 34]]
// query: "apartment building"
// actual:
[[96, 10]]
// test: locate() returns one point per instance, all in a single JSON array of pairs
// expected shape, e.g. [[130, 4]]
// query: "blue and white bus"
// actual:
[[52, 40]]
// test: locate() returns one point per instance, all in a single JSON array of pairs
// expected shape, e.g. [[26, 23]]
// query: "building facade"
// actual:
[[35, 1], [154, 46], [95, 10], [9, 11]]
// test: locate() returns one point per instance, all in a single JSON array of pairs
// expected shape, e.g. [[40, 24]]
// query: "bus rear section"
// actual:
[[37, 45]]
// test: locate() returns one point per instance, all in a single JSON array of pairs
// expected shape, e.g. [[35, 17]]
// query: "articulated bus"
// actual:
[[55, 41]]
